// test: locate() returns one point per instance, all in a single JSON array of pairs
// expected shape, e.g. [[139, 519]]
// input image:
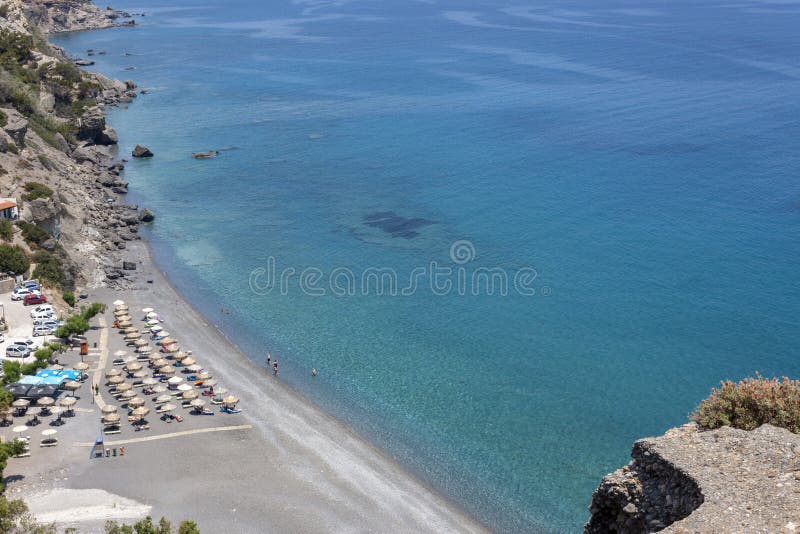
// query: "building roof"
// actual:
[[5, 204]]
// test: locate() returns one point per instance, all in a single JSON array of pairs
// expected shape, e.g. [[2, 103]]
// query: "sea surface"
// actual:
[[635, 166]]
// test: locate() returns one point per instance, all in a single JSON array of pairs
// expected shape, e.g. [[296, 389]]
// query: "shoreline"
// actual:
[[238, 353]]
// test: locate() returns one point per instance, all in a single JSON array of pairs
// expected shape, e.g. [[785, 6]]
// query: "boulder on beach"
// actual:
[[141, 152]]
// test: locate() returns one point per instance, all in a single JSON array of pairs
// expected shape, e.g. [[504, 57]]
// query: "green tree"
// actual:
[[6, 230], [87, 312], [188, 527], [36, 190], [48, 267], [11, 372], [13, 259], [69, 297], [15, 518], [74, 324]]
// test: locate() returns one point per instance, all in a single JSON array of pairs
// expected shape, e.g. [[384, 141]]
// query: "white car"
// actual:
[[22, 292], [42, 314], [31, 344], [43, 330], [42, 308]]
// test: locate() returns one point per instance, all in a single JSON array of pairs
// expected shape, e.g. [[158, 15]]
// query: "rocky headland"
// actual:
[[690, 481], [54, 133]]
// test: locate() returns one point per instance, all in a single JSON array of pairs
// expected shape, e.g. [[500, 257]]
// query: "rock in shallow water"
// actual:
[[141, 152]]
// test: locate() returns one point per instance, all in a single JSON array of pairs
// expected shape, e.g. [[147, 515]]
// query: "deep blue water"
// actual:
[[643, 160]]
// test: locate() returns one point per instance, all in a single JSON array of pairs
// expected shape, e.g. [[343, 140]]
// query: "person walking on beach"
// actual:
[[275, 367]]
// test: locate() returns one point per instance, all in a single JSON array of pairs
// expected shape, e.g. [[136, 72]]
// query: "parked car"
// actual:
[[43, 308], [17, 351], [32, 285], [20, 293], [31, 344], [48, 314], [34, 299], [43, 330], [51, 323]]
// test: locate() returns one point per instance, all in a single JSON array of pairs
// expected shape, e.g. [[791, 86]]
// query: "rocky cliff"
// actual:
[[54, 133], [693, 481]]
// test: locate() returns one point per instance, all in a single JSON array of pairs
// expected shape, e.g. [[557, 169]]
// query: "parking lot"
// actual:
[[20, 325]]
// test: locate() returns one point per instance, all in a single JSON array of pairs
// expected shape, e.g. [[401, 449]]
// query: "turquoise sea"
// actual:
[[637, 162]]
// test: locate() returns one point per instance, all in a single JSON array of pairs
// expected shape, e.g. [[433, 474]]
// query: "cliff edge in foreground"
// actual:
[[689, 480]]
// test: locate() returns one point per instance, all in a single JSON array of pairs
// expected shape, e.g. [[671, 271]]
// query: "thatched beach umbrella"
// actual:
[[198, 403], [125, 386], [166, 408], [147, 310], [131, 330], [166, 341], [19, 429], [81, 366], [140, 412], [175, 380], [118, 303], [230, 399], [160, 388], [120, 353], [181, 355], [133, 367], [45, 401], [124, 324], [193, 368], [184, 387], [140, 342], [113, 372], [109, 408], [124, 318], [72, 386], [126, 395], [161, 399], [114, 380], [132, 336], [160, 362], [168, 370], [140, 374], [135, 402], [110, 419], [210, 383], [144, 350], [151, 315], [188, 361], [172, 348], [205, 375], [191, 394], [155, 329], [57, 367], [149, 381], [66, 402], [220, 392]]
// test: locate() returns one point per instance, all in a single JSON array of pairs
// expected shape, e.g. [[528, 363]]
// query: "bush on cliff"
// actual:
[[13, 259], [48, 267], [751, 403], [34, 190], [32, 233], [6, 230]]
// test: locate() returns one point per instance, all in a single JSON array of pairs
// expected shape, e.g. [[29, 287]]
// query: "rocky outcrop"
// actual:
[[16, 127], [52, 16], [693, 481], [141, 152], [146, 216]]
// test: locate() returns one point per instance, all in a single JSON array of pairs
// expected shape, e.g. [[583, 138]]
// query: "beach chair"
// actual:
[[111, 429], [49, 442]]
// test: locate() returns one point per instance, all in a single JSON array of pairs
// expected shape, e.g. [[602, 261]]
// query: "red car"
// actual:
[[34, 299]]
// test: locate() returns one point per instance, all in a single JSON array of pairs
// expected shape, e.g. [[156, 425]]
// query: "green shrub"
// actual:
[[69, 71], [48, 267], [6, 230], [43, 354], [87, 312], [751, 403], [32, 233], [33, 367], [12, 147], [36, 190], [11, 372], [15, 48], [69, 298], [47, 128], [13, 259], [3, 118]]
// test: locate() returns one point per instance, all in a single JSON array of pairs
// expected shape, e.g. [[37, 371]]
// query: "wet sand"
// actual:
[[286, 465]]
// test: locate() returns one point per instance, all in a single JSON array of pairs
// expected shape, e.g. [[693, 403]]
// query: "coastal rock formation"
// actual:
[[141, 152], [689, 481], [146, 215], [16, 127], [52, 16]]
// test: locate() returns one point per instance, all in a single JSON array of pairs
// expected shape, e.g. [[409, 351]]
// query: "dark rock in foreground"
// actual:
[[141, 152], [146, 215]]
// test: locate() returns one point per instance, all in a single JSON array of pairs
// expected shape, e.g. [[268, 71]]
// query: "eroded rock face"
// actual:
[[16, 128], [693, 481]]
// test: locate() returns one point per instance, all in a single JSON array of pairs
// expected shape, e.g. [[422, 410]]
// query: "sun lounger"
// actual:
[[139, 428], [230, 410], [49, 442], [112, 430]]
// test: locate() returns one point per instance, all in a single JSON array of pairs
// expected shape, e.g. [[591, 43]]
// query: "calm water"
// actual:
[[643, 160]]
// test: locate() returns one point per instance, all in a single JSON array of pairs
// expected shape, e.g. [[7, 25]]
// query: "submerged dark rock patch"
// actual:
[[395, 225]]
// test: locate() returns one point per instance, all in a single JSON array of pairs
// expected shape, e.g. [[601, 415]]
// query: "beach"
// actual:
[[285, 465]]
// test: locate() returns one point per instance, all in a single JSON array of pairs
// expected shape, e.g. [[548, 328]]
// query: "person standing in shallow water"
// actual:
[[275, 367], [313, 371], [269, 357]]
